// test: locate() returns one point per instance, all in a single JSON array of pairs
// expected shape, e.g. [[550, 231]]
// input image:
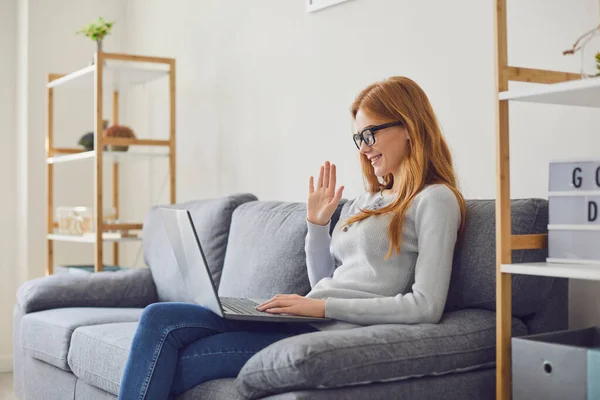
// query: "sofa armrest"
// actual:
[[463, 340], [128, 288]]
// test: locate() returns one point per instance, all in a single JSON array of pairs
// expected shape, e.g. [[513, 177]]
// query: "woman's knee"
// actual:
[[167, 313]]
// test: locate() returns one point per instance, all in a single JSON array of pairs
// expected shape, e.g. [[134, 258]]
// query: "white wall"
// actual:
[[264, 90], [8, 267], [46, 43], [54, 48]]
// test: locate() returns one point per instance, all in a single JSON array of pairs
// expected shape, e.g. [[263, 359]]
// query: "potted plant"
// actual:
[[580, 45], [97, 30]]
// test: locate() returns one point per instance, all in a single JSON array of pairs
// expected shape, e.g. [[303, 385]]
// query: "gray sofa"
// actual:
[[72, 332]]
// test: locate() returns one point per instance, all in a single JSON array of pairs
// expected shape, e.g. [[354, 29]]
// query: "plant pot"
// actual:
[[118, 148], [98, 49]]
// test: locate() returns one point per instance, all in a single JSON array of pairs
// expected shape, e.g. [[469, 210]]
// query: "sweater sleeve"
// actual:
[[437, 221], [319, 260]]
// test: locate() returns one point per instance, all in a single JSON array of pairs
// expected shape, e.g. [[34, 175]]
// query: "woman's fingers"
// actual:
[[267, 304], [320, 182], [264, 306], [332, 178], [278, 310], [311, 185], [274, 304], [326, 177], [279, 300]]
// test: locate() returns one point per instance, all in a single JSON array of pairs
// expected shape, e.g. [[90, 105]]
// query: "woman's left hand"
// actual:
[[295, 305]]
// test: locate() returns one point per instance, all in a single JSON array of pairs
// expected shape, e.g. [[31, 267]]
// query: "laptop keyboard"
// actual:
[[242, 306]]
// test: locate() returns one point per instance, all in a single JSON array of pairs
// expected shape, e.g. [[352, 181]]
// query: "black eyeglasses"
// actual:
[[368, 134]]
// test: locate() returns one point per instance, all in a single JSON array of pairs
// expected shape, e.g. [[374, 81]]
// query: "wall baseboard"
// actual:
[[6, 364]]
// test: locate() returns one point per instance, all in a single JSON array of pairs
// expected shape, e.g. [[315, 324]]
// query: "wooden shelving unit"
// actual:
[[113, 73], [561, 88]]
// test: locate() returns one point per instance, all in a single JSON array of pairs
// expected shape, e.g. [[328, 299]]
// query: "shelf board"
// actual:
[[88, 238], [115, 77], [583, 92], [116, 155], [559, 270]]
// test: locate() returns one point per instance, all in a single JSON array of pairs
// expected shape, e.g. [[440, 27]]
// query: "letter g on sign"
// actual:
[[577, 180]]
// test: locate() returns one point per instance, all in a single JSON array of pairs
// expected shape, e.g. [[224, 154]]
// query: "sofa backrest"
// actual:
[[256, 249], [212, 219], [265, 253], [473, 282]]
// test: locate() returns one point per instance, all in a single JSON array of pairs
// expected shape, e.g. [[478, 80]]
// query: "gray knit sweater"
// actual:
[[361, 287]]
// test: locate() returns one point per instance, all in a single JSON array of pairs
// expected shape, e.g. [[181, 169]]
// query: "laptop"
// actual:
[[194, 269]]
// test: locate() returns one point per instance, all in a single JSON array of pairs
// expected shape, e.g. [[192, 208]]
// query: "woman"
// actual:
[[388, 261]]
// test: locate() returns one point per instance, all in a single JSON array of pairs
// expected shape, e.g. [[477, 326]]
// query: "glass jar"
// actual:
[[74, 220]]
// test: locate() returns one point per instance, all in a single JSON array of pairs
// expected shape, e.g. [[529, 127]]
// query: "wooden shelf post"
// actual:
[[503, 219], [172, 152], [98, 173], [115, 193], [50, 177]]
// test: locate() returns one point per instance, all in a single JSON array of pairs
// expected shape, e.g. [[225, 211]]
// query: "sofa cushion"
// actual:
[[473, 281], [217, 389], [98, 354], [45, 381], [472, 385], [265, 253], [463, 340], [212, 218], [132, 288], [83, 391], [46, 335]]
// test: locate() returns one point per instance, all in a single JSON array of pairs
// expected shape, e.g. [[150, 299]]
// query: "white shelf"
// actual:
[[584, 92], [116, 155], [559, 270], [115, 77], [88, 238]]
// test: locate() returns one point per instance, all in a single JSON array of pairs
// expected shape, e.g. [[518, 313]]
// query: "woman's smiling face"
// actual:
[[390, 147]]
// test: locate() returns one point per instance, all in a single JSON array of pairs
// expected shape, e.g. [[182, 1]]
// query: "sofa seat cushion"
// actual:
[[46, 335], [464, 340], [98, 354]]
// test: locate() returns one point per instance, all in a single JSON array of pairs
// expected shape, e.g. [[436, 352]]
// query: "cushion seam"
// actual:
[[481, 366], [325, 351], [45, 353], [479, 349]]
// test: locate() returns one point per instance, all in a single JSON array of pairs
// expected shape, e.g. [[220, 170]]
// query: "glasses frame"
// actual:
[[373, 130]]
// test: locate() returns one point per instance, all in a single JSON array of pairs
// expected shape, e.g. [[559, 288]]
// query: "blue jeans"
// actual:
[[179, 345]]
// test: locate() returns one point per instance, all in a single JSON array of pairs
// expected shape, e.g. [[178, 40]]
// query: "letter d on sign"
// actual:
[[592, 211]]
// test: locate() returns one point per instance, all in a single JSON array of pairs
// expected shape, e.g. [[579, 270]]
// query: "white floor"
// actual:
[[6, 387]]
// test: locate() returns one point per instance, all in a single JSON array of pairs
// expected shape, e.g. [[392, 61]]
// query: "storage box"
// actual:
[[559, 365], [574, 212]]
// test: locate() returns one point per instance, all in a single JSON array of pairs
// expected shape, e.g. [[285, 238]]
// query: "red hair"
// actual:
[[428, 160]]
